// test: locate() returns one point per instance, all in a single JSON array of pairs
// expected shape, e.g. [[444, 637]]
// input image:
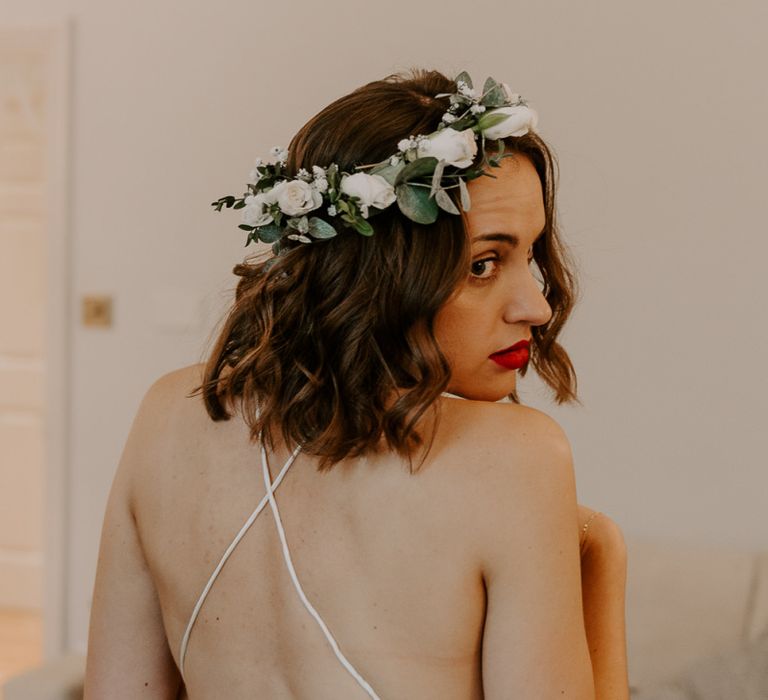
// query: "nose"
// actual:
[[526, 302]]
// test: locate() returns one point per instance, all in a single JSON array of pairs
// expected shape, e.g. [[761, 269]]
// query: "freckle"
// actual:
[[146, 684], [217, 618]]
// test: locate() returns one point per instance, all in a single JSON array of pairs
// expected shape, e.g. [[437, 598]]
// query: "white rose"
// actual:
[[296, 197], [254, 211], [372, 190], [519, 121], [456, 148]]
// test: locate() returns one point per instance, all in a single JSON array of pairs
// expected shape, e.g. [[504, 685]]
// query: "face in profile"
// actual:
[[501, 299]]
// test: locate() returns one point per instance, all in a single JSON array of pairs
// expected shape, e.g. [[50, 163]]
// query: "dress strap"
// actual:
[[287, 556], [230, 549]]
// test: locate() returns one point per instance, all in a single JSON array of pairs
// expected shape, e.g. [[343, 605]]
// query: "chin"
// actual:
[[491, 394]]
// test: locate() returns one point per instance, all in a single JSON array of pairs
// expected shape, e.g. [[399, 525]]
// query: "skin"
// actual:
[[497, 306], [185, 485], [501, 299]]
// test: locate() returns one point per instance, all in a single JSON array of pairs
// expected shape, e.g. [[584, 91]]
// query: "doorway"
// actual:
[[34, 265]]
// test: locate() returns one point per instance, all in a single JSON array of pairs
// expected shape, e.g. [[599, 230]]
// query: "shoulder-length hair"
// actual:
[[333, 342]]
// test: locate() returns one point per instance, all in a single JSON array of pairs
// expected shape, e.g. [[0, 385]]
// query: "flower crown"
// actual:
[[278, 206]]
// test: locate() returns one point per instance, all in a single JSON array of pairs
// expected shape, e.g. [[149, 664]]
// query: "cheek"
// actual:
[[457, 326]]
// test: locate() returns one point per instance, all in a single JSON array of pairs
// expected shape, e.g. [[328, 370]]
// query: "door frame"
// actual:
[[59, 323]]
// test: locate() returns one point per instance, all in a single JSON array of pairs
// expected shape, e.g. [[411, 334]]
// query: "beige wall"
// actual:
[[658, 113], [23, 143]]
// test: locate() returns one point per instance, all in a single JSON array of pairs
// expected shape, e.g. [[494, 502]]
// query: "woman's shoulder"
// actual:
[[518, 463], [168, 416], [171, 400], [505, 427], [176, 383]]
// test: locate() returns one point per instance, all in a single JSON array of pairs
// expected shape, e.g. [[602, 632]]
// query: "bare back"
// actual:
[[390, 560]]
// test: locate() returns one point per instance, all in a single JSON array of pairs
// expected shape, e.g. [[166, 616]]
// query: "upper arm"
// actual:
[[128, 654], [534, 640]]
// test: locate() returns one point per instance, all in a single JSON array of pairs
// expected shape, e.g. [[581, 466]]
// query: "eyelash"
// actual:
[[484, 280]]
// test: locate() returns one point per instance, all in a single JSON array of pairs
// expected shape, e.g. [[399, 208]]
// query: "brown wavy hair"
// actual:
[[333, 343]]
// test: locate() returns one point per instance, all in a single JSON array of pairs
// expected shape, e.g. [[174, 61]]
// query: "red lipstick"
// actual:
[[513, 357]]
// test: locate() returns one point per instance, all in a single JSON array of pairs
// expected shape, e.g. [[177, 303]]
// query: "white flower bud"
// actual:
[[255, 211], [371, 190], [457, 148], [520, 120]]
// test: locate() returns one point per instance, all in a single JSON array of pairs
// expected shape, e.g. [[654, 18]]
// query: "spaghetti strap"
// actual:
[[230, 549], [269, 497], [288, 562]]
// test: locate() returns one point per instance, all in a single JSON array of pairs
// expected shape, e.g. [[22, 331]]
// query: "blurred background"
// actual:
[[119, 124]]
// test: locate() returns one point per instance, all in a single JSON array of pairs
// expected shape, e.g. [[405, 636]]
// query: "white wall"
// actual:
[[658, 113]]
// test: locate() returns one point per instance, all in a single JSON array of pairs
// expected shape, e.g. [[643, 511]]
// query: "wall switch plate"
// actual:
[[97, 311]]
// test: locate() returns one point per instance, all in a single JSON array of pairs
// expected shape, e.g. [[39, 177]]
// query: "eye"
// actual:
[[483, 270]]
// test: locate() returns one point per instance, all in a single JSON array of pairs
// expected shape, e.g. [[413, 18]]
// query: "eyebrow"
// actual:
[[510, 238]]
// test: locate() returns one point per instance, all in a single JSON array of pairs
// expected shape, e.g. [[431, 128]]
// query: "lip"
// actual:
[[517, 346], [513, 357]]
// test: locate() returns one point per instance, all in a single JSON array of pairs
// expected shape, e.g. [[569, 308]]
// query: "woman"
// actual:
[[428, 542]]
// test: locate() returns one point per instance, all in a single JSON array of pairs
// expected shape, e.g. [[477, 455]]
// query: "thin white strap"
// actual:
[[287, 556], [230, 549]]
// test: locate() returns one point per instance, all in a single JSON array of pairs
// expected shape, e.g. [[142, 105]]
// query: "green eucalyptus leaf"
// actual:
[[437, 176], [275, 251], [389, 172], [464, 123], [445, 202], [493, 94], [332, 175], [465, 77], [464, 193], [362, 226], [489, 119], [269, 233], [416, 203], [418, 168], [227, 201], [319, 228], [246, 227]]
